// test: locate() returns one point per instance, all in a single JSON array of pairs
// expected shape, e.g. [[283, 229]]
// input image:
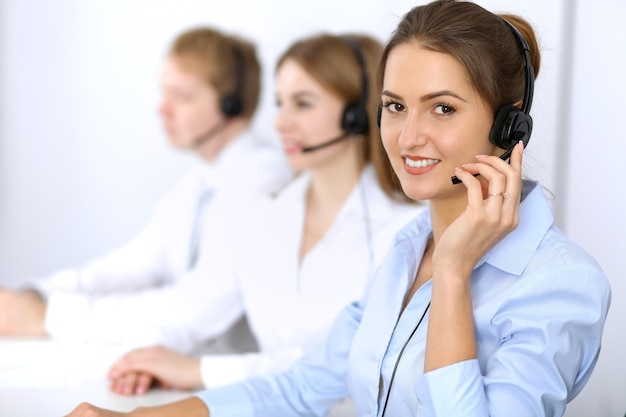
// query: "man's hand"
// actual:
[[22, 313]]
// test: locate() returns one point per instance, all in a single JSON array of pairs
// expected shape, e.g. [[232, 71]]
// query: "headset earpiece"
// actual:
[[510, 126], [231, 104], [513, 124], [355, 119]]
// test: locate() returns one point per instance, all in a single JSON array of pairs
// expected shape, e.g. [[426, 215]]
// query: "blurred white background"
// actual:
[[83, 158]]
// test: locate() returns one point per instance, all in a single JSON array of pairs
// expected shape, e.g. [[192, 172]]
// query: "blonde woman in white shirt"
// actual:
[[306, 253], [148, 291]]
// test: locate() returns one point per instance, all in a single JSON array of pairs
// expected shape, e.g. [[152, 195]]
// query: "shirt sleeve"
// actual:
[[219, 370], [550, 332], [202, 304], [310, 388]]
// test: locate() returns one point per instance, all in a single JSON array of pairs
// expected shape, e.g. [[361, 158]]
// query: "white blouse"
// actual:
[[290, 305]]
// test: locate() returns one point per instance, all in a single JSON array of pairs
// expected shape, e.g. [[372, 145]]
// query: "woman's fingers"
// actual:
[[495, 193], [496, 176]]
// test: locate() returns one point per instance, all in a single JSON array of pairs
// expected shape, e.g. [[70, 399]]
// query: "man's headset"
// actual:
[[354, 120], [232, 103]]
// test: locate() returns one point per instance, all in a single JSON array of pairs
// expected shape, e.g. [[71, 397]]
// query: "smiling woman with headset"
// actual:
[[482, 307], [301, 256]]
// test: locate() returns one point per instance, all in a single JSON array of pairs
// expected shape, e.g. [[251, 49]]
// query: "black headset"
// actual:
[[231, 104], [355, 119], [510, 124]]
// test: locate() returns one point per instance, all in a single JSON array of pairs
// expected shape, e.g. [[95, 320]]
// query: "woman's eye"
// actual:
[[303, 104], [393, 107], [444, 109]]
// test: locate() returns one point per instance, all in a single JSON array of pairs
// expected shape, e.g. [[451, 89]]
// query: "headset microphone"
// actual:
[[325, 144], [201, 139]]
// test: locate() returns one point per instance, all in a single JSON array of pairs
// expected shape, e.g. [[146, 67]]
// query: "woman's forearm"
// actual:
[[189, 407], [451, 336]]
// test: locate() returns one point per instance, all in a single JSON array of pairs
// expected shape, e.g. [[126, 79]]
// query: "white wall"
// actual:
[[83, 158], [593, 215]]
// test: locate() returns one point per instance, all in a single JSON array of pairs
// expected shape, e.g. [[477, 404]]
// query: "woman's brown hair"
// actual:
[[332, 62], [480, 40]]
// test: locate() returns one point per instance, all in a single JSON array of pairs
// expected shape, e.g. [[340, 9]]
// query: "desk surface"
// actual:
[[46, 378], [50, 378]]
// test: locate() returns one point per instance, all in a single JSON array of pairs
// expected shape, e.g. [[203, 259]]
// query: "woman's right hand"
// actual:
[[139, 369], [492, 212]]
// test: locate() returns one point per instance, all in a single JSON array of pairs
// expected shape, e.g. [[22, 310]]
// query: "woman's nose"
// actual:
[[281, 120], [413, 133]]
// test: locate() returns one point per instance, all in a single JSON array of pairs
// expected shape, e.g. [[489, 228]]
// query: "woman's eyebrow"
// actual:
[[440, 94], [429, 96]]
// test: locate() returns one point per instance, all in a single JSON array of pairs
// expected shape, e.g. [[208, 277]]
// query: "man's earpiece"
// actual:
[[231, 104]]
